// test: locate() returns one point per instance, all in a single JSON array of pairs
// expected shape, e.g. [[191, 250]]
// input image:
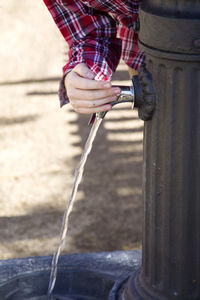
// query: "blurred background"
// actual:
[[41, 144]]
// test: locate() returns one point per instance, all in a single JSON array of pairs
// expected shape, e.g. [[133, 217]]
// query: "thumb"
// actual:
[[83, 71]]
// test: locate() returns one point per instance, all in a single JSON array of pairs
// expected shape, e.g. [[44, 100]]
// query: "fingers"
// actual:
[[92, 104], [87, 95], [80, 94], [82, 110], [79, 82]]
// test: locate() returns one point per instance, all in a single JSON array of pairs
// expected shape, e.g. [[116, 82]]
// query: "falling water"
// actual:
[[77, 179]]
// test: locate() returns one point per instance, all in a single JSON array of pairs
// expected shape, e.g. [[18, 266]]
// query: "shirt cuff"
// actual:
[[62, 93]]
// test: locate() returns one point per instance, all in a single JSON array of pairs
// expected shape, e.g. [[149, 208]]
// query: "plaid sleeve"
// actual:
[[91, 36], [131, 54]]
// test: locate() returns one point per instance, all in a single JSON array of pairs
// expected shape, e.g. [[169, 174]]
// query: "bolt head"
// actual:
[[196, 43]]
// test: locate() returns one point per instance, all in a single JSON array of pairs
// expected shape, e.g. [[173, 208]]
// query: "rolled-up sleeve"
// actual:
[[91, 36], [132, 55]]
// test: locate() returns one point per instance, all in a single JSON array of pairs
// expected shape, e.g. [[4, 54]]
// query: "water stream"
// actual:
[[77, 179]]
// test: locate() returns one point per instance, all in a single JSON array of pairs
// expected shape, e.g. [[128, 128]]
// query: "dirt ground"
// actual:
[[40, 147]]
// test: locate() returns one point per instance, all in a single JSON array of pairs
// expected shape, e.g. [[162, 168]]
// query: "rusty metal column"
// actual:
[[170, 37]]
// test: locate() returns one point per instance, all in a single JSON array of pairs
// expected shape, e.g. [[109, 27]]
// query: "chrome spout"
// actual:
[[141, 94], [127, 95]]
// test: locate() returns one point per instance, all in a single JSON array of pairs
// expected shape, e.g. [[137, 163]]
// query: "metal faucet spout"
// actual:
[[127, 95], [141, 94]]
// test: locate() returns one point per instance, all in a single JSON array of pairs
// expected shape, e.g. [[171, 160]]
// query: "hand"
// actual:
[[87, 95]]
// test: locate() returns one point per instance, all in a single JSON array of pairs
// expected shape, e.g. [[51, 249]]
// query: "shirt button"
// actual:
[[136, 25]]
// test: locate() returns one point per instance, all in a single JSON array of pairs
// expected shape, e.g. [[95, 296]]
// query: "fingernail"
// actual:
[[116, 91]]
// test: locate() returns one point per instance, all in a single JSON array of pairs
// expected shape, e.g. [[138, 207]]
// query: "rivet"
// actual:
[[196, 43]]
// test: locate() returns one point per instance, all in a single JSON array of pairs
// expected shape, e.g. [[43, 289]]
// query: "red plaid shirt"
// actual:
[[98, 32]]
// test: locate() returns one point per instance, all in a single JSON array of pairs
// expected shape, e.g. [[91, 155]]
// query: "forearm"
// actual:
[[91, 37]]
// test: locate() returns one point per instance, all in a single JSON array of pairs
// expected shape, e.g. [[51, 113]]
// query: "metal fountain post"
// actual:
[[170, 36]]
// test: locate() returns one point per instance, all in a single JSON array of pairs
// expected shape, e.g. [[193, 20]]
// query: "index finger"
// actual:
[[88, 84]]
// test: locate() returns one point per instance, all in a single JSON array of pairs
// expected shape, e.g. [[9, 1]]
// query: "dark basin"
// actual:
[[80, 276], [77, 284]]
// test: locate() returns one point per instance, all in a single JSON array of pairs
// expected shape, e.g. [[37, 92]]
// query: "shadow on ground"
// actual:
[[111, 189], [4, 121], [108, 216]]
